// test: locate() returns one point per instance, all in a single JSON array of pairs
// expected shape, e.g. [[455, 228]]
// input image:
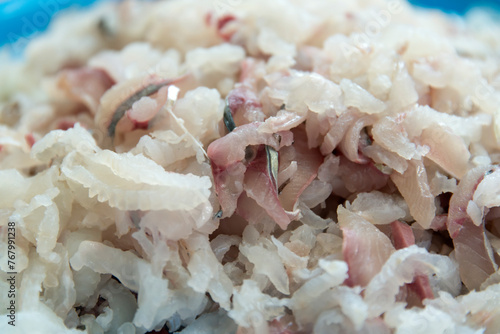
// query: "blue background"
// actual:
[[22, 18], [457, 6]]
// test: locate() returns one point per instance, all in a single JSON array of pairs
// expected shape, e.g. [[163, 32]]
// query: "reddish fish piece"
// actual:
[[229, 149], [308, 162], [245, 105], [364, 255], [30, 139], [422, 287], [365, 248], [361, 177], [232, 157], [228, 186], [260, 186], [355, 140], [85, 85], [224, 31], [472, 248], [402, 236], [65, 125], [141, 125], [242, 98], [208, 18], [225, 19]]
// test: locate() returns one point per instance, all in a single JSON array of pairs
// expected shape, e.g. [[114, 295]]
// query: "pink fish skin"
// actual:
[[472, 248], [402, 236]]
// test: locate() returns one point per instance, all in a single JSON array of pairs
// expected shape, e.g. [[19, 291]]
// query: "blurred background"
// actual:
[[14, 14]]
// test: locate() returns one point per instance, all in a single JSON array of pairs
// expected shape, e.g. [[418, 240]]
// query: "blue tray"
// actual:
[[22, 19]]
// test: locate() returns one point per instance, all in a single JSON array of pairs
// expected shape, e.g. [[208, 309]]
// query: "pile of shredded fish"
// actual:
[[234, 166]]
